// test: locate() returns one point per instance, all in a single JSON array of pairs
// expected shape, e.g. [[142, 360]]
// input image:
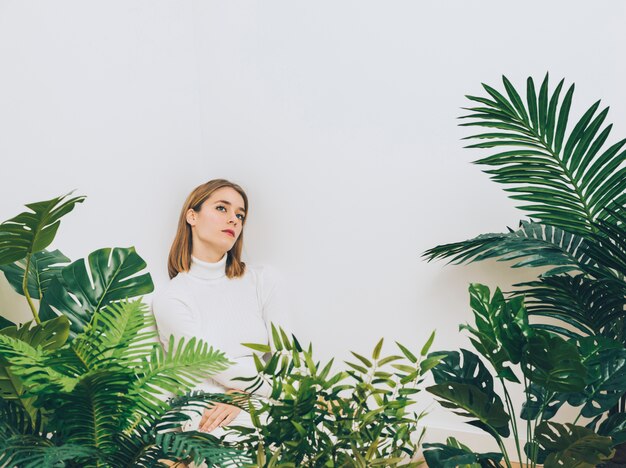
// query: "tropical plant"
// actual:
[[574, 189], [314, 417], [588, 373], [83, 383]]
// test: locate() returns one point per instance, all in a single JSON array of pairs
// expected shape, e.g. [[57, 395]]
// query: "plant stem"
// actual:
[[25, 290], [509, 405]]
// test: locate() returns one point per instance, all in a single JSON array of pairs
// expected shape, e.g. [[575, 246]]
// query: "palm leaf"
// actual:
[[114, 276], [176, 371], [34, 230], [199, 447], [117, 333], [49, 335], [40, 452], [43, 267], [533, 245], [566, 181], [33, 367], [586, 305], [92, 413]]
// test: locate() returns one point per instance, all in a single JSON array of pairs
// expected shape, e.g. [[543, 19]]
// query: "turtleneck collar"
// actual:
[[207, 270]]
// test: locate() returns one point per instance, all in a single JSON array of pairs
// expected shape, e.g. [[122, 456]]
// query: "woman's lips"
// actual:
[[230, 233]]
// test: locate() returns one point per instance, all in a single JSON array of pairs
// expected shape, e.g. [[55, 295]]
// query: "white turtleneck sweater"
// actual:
[[205, 303]]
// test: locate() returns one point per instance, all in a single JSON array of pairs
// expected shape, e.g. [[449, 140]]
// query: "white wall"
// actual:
[[337, 117]]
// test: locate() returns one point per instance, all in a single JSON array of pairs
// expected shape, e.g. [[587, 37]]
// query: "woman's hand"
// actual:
[[220, 414]]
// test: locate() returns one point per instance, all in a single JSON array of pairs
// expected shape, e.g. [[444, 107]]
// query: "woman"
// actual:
[[216, 297]]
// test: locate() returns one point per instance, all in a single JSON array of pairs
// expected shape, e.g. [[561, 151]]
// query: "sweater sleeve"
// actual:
[[175, 317], [275, 302]]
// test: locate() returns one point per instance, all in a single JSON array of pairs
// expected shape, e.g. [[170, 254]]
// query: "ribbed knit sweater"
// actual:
[[205, 303]]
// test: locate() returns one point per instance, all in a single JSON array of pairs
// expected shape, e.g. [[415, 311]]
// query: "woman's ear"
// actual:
[[191, 217]]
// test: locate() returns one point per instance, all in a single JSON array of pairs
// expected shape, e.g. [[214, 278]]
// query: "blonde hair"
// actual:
[[180, 253]]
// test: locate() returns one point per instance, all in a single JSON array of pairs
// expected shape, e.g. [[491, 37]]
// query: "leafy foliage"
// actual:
[[94, 391], [314, 417], [114, 276], [585, 373], [34, 230], [574, 189]]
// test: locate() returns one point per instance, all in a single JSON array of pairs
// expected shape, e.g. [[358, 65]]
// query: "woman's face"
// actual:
[[222, 212]]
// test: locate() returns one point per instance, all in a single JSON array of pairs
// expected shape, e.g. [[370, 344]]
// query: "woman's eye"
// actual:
[[219, 206], [242, 217]]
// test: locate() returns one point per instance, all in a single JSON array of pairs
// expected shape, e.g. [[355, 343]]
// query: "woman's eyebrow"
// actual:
[[226, 202]]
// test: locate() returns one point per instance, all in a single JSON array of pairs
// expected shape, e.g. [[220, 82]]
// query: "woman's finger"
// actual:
[[214, 419], [205, 415], [229, 418]]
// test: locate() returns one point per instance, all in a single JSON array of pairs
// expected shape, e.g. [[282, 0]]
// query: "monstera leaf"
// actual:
[[42, 268], [537, 403], [84, 287], [605, 361], [554, 363], [453, 454], [615, 427], [468, 387], [32, 231], [501, 329], [572, 446]]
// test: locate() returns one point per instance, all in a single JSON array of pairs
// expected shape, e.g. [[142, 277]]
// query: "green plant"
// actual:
[[574, 191], [314, 417], [583, 372], [82, 384]]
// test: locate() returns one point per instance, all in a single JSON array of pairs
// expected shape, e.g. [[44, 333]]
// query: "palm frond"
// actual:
[[568, 182], [40, 452], [176, 371], [118, 333], [586, 305], [32, 365], [199, 447], [535, 244], [92, 414]]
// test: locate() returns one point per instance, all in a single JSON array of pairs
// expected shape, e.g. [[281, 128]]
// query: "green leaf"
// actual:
[[377, 348], [364, 360], [501, 329], [467, 386], [532, 245], [451, 455], [114, 275], [34, 230], [556, 178], [43, 267], [570, 445], [428, 344], [615, 427], [263, 348], [554, 363], [410, 356]]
